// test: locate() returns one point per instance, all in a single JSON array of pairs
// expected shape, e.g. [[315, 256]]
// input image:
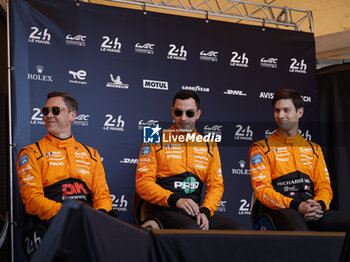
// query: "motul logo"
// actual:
[[73, 189]]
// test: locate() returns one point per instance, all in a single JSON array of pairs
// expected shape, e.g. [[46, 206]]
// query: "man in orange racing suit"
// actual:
[[58, 167], [171, 174], [289, 174]]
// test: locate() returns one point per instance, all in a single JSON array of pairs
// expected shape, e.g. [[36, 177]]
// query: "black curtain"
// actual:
[[4, 135], [334, 101]]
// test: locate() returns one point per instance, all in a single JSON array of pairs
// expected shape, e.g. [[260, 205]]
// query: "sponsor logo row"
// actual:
[[113, 44], [151, 129], [122, 203], [80, 76]]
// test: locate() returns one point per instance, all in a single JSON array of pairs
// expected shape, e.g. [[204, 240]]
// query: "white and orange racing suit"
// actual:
[[52, 170], [175, 169], [288, 170]]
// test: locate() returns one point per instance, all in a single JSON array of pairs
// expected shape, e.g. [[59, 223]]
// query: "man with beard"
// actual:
[[171, 174]]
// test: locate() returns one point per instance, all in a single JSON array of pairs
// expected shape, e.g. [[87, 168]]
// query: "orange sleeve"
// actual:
[[146, 176], [31, 188], [321, 180], [260, 174], [101, 195], [214, 182]]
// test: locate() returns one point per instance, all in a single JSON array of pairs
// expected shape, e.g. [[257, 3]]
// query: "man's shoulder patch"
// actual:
[[257, 159], [146, 149], [23, 160]]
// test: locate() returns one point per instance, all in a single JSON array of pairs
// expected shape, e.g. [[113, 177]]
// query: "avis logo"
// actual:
[[239, 60], [209, 56], [234, 92], [114, 124], [79, 77], [78, 40], [177, 53], [37, 117], [110, 45], [243, 133], [298, 67], [39, 37], [81, 120], [266, 95], [144, 49], [39, 76], [244, 209], [121, 204], [129, 161]]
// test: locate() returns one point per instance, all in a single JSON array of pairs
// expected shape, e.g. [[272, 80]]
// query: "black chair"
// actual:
[[345, 253], [142, 212], [261, 221]]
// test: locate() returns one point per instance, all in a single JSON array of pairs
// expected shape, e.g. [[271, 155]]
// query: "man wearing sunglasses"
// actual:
[[58, 167], [171, 174]]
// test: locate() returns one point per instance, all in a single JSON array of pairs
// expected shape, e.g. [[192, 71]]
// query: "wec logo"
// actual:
[[76, 38], [145, 48], [209, 56]]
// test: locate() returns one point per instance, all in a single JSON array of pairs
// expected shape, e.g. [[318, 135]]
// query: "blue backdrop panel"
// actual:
[[124, 67]]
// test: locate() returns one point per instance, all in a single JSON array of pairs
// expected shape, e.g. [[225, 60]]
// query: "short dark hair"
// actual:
[[70, 102], [186, 94], [289, 94]]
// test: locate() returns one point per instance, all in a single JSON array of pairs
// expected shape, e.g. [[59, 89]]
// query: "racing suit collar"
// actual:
[[289, 139], [60, 143]]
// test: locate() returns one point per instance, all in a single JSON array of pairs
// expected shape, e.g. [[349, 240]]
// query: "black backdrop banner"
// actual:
[[334, 99], [124, 67]]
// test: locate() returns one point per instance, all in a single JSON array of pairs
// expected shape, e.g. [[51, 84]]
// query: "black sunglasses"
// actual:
[[55, 110], [189, 113]]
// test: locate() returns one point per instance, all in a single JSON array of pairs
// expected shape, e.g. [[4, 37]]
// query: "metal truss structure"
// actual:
[[235, 11]]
